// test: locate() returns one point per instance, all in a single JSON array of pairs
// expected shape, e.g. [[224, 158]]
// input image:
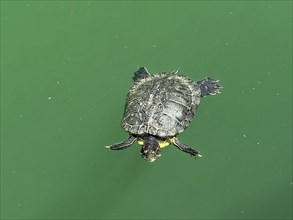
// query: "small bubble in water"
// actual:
[[244, 135]]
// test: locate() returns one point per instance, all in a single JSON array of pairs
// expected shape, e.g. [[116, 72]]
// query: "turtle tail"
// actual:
[[208, 86]]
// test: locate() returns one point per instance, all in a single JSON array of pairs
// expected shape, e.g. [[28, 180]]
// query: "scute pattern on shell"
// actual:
[[162, 105]]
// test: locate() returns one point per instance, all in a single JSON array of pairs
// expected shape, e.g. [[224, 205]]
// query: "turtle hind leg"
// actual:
[[122, 145], [140, 74], [208, 86], [185, 148]]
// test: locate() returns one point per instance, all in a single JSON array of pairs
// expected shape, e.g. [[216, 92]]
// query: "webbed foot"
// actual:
[[140, 74], [209, 86]]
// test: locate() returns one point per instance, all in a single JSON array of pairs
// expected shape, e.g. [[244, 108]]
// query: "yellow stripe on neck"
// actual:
[[140, 142], [162, 144]]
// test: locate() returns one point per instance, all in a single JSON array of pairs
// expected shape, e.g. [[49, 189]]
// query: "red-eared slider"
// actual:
[[159, 107]]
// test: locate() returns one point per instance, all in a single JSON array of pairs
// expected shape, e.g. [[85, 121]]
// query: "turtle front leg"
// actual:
[[185, 148], [122, 145]]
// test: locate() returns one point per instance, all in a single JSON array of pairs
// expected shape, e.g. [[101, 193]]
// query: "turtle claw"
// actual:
[[122, 145], [185, 148]]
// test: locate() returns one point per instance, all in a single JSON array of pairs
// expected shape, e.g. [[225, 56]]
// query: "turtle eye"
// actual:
[[143, 152]]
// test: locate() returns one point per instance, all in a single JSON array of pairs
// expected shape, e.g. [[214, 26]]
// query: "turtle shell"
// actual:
[[162, 104]]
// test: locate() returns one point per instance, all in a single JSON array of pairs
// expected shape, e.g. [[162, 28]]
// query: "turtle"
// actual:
[[159, 107]]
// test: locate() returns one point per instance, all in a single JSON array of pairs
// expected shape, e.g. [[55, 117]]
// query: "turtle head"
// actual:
[[150, 149]]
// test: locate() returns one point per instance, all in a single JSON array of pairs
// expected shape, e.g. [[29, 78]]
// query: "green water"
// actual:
[[66, 67]]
